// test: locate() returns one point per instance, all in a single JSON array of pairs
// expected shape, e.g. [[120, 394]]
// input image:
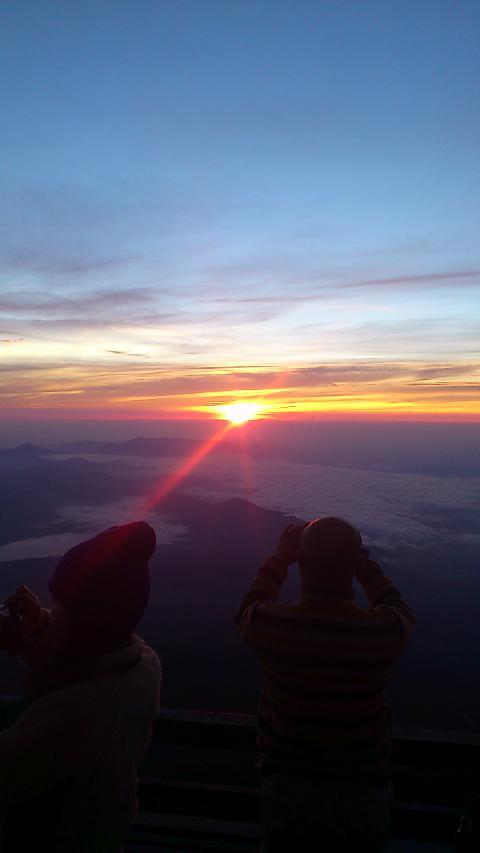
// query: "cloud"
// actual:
[[60, 233], [52, 302], [112, 385], [391, 510], [330, 288], [470, 278], [271, 299], [439, 371], [191, 379], [91, 520], [55, 313], [135, 301], [73, 234], [292, 279], [25, 260], [124, 352]]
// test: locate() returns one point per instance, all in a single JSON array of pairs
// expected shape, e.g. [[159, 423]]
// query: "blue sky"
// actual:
[[198, 187]]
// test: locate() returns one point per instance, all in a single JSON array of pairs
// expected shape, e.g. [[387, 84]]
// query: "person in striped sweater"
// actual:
[[323, 726]]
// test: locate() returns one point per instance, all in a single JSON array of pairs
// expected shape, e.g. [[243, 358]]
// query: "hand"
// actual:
[[26, 605], [11, 635], [365, 565], [289, 543]]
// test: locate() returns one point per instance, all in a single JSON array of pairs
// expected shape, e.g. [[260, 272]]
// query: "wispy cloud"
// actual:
[[25, 260], [87, 294], [469, 278], [52, 302], [124, 352], [367, 386], [268, 299], [316, 283]]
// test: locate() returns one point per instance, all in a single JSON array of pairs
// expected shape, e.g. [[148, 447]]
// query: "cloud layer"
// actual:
[[123, 325]]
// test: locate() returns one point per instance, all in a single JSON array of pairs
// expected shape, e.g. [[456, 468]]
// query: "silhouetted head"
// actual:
[[100, 589], [103, 585], [329, 556]]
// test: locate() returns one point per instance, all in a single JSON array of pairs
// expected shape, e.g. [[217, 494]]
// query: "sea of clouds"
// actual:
[[412, 509], [390, 509]]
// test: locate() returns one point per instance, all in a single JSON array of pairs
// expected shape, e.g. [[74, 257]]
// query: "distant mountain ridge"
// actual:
[[444, 460], [148, 447], [165, 446]]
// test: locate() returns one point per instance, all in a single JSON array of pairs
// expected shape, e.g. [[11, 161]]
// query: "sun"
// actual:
[[240, 413]]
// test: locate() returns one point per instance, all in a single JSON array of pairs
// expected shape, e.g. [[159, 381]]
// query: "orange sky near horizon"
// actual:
[[366, 389]]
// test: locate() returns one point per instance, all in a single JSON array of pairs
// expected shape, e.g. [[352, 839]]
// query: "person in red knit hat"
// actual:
[[69, 761]]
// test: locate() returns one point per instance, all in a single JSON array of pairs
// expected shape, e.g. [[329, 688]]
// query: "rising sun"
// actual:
[[240, 413]]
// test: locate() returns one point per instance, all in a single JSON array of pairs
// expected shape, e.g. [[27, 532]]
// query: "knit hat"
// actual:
[[104, 584]]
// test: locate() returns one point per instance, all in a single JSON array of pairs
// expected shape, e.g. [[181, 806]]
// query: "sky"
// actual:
[[203, 202]]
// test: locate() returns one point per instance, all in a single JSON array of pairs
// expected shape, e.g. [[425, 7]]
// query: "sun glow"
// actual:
[[240, 413]]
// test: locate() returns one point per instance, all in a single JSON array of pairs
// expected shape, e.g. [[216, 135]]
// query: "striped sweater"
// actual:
[[325, 665]]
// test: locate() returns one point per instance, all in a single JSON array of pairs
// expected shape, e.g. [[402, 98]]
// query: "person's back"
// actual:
[[71, 758], [88, 738], [322, 719]]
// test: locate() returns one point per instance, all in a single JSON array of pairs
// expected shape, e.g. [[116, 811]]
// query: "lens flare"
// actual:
[[169, 483]]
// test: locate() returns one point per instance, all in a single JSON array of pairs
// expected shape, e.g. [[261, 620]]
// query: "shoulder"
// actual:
[[148, 661], [136, 667], [147, 655]]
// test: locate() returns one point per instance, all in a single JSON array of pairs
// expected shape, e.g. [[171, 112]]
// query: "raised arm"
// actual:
[[266, 586], [385, 599]]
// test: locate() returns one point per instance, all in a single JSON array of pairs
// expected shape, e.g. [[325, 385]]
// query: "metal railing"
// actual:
[[190, 809]]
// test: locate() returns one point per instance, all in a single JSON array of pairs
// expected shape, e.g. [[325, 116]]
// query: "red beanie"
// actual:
[[104, 584]]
